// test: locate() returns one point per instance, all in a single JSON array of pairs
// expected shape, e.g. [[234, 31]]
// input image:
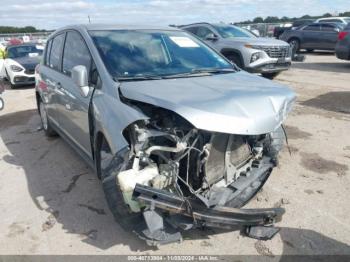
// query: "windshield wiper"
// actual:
[[202, 72], [137, 78], [213, 70]]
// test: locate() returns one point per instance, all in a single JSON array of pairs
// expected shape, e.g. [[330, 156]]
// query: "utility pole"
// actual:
[[89, 19]]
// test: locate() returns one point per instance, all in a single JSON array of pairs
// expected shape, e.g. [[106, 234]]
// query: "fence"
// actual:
[[32, 36], [264, 29]]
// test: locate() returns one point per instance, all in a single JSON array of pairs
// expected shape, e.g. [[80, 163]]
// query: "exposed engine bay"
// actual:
[[180, 176]]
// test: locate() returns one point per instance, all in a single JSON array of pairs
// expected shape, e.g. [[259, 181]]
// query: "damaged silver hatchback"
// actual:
[[179, 136]]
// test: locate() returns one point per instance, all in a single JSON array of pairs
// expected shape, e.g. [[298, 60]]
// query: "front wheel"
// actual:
[[295, 45], [236, 59], [108, 168], [2, 104], [49, 132], [270, 75]]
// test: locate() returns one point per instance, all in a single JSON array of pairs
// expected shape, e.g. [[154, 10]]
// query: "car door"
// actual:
[[73, 106], [329, 36], [311, 36], [50, 72]]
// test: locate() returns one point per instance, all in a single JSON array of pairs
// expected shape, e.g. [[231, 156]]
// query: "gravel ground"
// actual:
[[52, 203]]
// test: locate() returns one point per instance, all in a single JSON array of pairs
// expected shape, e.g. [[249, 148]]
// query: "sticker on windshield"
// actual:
[[33, 54], [182, 41]]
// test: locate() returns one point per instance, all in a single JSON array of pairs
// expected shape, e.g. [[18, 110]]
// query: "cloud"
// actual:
[[52, 13]]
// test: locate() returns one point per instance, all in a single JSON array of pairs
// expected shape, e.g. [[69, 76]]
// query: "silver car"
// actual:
[[177, 134], [254, 54]]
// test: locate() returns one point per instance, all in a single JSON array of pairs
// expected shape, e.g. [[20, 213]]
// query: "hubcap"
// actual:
[[43, 116]]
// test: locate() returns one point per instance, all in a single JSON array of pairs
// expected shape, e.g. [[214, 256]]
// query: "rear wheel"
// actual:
[[49, 131]]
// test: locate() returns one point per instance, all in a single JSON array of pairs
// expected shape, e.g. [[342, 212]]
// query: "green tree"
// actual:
[[258, 20]]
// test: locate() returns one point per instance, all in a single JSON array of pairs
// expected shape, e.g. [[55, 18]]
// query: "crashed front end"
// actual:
[[180, 177]]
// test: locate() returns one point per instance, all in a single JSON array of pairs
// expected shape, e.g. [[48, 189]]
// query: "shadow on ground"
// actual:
[[62, 185], [333, 101], [336, 67]]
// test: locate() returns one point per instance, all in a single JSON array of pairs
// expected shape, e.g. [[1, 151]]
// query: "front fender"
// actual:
[[111, 117]]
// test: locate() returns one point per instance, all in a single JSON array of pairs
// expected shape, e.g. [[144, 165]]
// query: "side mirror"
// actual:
[[211, 37], [337, 30], [80, 78]]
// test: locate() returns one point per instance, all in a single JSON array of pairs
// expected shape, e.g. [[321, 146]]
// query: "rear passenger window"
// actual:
[[47, 52], [75, 53], [56, 52], [329, 28], [312, 28]]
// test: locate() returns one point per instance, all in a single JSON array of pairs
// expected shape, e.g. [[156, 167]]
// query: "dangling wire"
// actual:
[[286, 138]]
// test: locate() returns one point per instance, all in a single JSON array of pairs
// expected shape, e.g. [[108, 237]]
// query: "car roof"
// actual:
[[206, 23], [116, 27], [333, 17]]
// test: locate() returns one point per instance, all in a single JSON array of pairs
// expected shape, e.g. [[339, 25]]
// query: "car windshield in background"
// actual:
[[141, 54], [232, 31], [22, 51]]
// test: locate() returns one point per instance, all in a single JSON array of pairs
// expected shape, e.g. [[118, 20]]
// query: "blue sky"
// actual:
[[50, 14]]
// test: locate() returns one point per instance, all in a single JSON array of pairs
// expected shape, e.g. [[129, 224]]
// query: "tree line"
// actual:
[[12, 29], [285, 19]]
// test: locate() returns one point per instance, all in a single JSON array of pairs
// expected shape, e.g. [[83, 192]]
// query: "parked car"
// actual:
[[249, 52], [320, 36], [342, 48], [172, 128], [279, 30], [336, 20], [20, 62]]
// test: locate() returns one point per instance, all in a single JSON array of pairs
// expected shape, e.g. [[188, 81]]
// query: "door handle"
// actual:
[[58, 85]]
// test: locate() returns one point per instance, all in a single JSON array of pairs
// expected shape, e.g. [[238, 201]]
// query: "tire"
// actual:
[[270, 75], [275, 143], [235, 58], [48, 130], [2, 104], [309, 50], [295, 44], [108, 173]]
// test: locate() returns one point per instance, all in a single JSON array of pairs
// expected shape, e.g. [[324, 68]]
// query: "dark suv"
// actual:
[[320, 36]]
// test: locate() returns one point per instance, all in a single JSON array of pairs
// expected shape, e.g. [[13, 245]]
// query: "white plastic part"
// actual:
[[129, 178]]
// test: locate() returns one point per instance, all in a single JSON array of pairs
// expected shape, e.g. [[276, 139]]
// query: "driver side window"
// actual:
[[203, 32], [75, 53]]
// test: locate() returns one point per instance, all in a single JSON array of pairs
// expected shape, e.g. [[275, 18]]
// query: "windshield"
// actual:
[[229, 31], [140, 53], [22, 51]]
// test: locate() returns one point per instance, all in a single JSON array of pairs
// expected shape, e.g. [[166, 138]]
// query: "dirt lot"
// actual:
[[52, 203]]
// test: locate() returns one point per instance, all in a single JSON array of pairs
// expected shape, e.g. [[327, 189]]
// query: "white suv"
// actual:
[[254, 54]]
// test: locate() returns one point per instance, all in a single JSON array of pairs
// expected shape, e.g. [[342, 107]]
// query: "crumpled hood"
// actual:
[[235, 103]]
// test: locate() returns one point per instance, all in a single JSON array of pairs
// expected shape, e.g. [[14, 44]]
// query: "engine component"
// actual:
[[129, 178]]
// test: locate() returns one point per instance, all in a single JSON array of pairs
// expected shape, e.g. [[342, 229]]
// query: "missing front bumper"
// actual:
[[191, 213]]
